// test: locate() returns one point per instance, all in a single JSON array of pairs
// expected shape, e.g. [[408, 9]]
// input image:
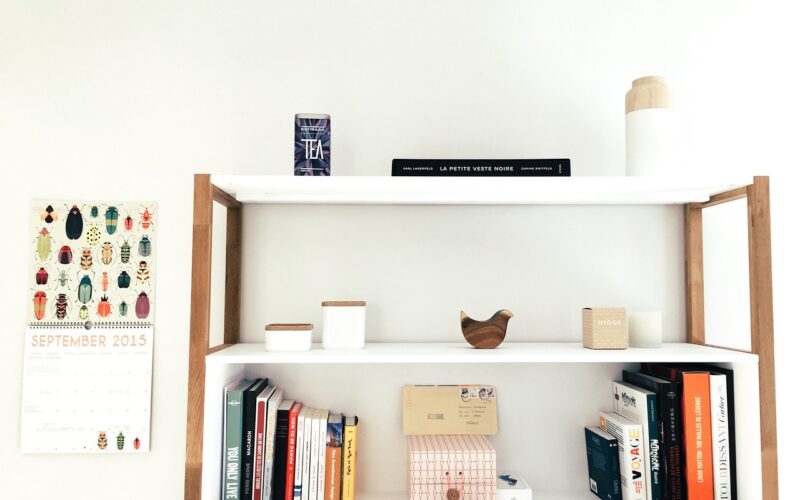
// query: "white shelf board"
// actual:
[[537, 495], [470, 190], [520, 352]]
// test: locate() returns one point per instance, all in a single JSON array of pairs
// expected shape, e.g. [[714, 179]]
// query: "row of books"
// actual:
[[670, 436], [276, 448]]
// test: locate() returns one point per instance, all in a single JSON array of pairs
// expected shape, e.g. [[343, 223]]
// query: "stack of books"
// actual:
[[280, 449], [672, 430]]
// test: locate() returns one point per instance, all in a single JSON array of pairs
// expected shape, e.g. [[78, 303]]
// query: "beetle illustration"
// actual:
[[142, 306], [49, 214], [143, 273], [136, 443], [120, 441], [147, 219], [93, 235], [128, 223], [61, 306], [125, 252], [103, 307], [123, 308], [41, 276], [145, 247], [123, 280], [74, 225], [102, 440], [107, 253], [94, 211], [39, 304], [63, 278], [86, 258], [44, 243], [84, 312], [85, 290], [65, 255], [112, 215], [104, 281]]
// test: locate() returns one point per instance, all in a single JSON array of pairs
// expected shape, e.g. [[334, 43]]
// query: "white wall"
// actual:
[[127, 99]]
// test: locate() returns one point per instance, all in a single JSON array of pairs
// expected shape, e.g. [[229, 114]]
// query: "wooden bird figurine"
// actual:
[[486, 334]]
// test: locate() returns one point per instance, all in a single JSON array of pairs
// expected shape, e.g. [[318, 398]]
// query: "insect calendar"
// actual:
[[89, 342]]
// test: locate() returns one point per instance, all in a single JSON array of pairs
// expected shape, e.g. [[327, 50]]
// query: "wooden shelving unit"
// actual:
[[210, 367]]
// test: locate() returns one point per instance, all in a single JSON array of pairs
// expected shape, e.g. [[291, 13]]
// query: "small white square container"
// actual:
[[344, 324], [282, 337], [511, 486]]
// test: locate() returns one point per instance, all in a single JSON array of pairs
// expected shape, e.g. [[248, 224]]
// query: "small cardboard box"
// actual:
[[511, 486], [605, 328]]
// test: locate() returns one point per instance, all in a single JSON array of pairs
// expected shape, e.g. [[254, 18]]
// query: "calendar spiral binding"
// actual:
[[88, 325]]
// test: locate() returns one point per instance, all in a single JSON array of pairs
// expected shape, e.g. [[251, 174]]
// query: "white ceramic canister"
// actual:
[[650, 129], [344, 324], [645, 329], [281, 337]]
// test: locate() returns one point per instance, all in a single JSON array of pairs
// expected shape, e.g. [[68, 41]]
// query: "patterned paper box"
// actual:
[[466, 465]]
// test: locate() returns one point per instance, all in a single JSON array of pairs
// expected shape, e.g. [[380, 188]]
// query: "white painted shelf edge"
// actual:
[[471, 190], [537, 495], [519, 352]]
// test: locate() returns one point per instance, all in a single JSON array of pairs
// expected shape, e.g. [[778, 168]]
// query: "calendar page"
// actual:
[[87, 390]]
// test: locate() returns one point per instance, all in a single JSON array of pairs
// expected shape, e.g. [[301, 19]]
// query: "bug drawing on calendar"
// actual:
[[92, 261]]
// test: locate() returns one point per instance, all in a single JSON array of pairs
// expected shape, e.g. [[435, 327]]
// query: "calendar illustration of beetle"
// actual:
[[39, 304], [104, 281], [102, 440], [83, 313], [128, 223], [86, 259], [103, 307], [41, 276], [146, 219], [94, 211], [65, 255], [143, 273], [63, 279], [93, 235], [123, 280], [142, 306], [85, 290], [49, 215], [120, 441], [112, 216], [145, 247], [136, 443], [123, 308], [74, 224], [107, 253], [61, 306], [125, 252], [44, 243]]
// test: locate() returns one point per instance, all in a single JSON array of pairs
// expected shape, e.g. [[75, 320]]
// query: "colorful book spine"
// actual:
[[260, 441], [721, 437], [281, 445], [349, 458], [248, 437], [697, 436], [630, 441], [233, 440], [639, 405], [559, 167], [602, 455], [333, 457], [269, 449], [297, 491], [291, 451], [669, 408]]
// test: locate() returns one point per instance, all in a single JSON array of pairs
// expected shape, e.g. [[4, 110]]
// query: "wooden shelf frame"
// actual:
[[761, 308]]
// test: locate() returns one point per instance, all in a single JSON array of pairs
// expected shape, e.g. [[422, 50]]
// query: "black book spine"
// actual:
[[249, 436], [669, 409], [281, 447], [558, 167]]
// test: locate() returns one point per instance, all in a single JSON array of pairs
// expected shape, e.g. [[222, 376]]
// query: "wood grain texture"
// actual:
[[762, 327], [224, 198], [718, 199], [233, 275], [198, 333], [485, 334], [646, 93], [693, 255]]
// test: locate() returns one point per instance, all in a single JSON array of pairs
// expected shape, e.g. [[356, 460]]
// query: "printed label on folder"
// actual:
[[449, 409]]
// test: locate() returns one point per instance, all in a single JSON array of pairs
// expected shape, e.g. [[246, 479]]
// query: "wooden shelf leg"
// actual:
[[693, 255]]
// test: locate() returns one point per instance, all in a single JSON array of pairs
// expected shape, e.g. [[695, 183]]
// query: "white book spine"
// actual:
[[629, 441], [323, 432], [269, 447], [298, 462], [307, 455], [631, 403], [312, 475], [721, 436]]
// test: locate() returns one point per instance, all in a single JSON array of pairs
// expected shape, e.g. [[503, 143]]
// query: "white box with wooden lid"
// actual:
[[344, 324]]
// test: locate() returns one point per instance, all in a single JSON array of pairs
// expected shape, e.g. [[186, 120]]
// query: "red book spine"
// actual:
[[290, 452], [697, 436], [258, 474]]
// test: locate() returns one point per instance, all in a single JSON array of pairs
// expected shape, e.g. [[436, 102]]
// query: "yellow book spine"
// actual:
[[349, 456]]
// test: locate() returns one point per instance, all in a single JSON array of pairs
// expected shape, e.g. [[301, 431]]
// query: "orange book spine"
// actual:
[[697, 436], [333, 473]]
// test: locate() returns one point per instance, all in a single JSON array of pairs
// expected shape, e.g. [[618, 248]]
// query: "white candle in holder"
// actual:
[[644, 329]]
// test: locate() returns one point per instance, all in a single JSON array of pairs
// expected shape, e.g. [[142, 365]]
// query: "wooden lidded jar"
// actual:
[[650, 131], [344, 324]]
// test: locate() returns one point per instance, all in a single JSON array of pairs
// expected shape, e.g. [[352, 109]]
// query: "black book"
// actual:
[[602, 455], [249, 435], [670, 430], [281, 448], [558, 167]]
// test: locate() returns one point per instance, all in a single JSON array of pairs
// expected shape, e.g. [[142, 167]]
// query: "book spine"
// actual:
[[697, 436], [602, 454], [559, 167], [631, 463], [307, 455], [349, 456], [314, 462], [721, 433], [291, 451], [248, 440], [323, 431], [281, 445], [258, 463], [333, 473], [233, 445], [269, 447], [297, 491]]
